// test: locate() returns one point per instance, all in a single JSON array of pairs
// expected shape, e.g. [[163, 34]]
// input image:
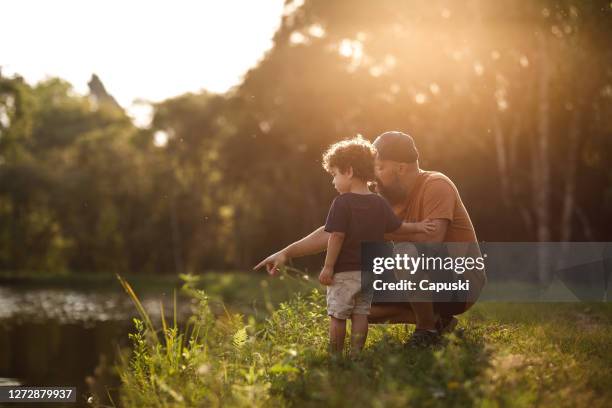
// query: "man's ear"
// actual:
[[401, 168], [349, 171]]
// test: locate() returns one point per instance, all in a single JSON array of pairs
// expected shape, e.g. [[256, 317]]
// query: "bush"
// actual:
[[508, 355], [230, 360]]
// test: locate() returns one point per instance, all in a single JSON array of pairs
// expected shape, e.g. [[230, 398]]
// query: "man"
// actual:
[[415, 195]]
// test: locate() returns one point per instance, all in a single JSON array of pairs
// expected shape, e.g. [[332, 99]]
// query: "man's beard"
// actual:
[[395, 193]]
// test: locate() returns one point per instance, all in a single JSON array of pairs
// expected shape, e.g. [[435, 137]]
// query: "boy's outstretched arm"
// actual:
[[334, 244], [312, 243]]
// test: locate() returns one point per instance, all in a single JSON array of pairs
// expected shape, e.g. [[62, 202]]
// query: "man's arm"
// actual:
[[312, 243]]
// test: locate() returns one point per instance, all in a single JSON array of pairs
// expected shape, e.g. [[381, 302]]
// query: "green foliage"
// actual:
[[511, 99], [508, 355]]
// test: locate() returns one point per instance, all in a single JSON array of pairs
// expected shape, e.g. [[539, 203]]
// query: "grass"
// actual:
[[514, 355]]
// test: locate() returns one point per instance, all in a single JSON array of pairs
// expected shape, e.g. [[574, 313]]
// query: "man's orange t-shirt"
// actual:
[[435, 196]]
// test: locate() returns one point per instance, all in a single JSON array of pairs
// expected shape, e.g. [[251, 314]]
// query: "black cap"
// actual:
[[396, 146]]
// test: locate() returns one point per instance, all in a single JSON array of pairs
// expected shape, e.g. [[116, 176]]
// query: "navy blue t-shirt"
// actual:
[[362, 217]]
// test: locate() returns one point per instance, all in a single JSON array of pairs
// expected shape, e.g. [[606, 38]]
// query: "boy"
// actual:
[[356, 215]]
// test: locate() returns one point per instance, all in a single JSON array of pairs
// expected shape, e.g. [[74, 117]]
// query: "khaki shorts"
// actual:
[[344, 296]]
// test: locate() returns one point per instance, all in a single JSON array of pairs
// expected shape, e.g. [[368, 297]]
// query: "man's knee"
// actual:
[[391, 313]]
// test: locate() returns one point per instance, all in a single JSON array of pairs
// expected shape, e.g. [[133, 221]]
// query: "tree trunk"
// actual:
[[569, 190], [176, 237], [542, 163], [502, 160]]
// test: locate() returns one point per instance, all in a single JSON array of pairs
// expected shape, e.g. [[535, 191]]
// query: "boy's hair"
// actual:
[[357, 153]]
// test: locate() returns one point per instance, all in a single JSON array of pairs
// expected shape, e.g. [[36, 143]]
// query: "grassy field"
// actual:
[[517, 355]]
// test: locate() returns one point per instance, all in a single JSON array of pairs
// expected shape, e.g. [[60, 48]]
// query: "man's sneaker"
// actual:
[[446, 324], [423, 338]]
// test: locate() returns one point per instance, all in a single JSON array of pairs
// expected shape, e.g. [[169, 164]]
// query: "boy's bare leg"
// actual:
[[359, 333], [337, 332]]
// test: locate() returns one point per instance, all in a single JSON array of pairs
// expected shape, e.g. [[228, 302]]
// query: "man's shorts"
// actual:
[[344, 296]]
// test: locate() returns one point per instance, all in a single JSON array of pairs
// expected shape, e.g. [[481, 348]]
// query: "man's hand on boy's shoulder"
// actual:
[[326, 276]]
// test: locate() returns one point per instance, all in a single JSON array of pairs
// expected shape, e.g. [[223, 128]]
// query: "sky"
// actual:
[[141, 50]]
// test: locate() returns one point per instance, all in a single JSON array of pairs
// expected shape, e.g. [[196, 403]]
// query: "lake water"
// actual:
[[68, 332], [70, 337]]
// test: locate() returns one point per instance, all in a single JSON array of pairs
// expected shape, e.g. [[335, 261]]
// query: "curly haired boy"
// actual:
[[357, 215]]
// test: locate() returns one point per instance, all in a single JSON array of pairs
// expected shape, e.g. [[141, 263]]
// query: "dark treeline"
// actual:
[[511, 99]]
